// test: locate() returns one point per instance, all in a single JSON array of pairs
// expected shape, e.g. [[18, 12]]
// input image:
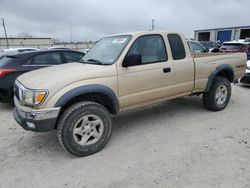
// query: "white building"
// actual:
[[25, 42], [222, 34]]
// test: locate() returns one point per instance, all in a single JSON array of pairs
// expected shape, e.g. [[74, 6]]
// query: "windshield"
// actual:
[[107, 50]]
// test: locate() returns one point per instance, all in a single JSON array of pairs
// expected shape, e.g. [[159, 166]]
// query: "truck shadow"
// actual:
[[6, 107], [167, 109]]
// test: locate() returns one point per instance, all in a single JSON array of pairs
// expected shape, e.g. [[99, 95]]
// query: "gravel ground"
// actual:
[[174, 144]]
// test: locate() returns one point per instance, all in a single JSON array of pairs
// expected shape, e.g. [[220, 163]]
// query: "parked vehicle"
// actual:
[[14, 51], [120, 73], [57, 48], [11, 66], [236, 46], [197, 47], [85, 50], [211, 45], [245, 80]]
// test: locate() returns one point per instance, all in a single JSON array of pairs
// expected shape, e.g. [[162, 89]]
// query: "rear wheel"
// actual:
[[219, 95], [84, 128]]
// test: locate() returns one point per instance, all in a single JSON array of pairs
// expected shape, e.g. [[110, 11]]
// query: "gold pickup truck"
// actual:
[[119, 73]]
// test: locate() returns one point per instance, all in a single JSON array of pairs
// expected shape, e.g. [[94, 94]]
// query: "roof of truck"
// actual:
[[145, 32]]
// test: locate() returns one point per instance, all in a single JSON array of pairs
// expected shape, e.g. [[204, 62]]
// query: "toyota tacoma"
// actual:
[[121, 72]]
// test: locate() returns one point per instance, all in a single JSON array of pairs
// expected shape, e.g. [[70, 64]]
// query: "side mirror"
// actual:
[[132, 60]]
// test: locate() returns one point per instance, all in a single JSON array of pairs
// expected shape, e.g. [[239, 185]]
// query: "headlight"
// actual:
[[34, 97]]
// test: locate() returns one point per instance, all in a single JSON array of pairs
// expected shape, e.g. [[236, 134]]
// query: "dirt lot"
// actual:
[[174, 144]]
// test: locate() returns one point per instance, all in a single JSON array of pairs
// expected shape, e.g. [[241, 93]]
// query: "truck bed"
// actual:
[[206, 62], [198, 54]]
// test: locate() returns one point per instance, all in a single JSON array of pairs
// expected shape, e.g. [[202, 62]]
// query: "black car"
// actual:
[[11, 66]]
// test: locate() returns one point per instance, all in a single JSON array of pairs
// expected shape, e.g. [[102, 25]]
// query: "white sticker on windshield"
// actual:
[[119, 40]]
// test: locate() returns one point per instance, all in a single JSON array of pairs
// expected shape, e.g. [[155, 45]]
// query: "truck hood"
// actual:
[[65, 74]]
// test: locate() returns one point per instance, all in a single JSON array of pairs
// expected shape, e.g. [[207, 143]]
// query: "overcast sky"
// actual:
[[93, 19]]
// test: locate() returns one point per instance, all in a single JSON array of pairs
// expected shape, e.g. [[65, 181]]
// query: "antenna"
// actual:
[[7, 42]]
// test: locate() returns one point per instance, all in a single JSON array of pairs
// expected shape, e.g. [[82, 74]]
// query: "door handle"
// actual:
[[166, 70]]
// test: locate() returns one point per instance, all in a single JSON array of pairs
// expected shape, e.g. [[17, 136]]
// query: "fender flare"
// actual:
[[88, 89], [220, 68]]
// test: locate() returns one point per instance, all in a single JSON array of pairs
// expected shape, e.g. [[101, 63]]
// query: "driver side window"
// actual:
[[151, 48]]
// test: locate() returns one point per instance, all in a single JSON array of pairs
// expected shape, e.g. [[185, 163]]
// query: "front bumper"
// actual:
[[36, 120]]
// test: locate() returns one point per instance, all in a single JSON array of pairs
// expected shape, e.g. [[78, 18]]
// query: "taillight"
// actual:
[[3, 72]]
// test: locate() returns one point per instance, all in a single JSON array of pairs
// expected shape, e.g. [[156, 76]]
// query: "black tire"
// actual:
[[67, 125], [209, 98]]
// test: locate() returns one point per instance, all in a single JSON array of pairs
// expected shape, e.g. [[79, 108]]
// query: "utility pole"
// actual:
[[153, 25], [7, 42], [70, 32]]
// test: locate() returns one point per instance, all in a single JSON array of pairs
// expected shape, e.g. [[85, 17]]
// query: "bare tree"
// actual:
[[24, 35], [55, 41]]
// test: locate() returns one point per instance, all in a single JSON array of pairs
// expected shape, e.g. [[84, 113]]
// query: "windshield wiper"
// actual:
[[92, 61], [95, 61]]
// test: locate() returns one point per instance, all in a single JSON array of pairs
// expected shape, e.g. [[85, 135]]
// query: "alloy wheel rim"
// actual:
[[221, 95], [88, 130]]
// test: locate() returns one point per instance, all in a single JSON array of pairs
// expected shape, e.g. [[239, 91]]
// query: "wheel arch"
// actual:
[[95, 92], [223, 70]]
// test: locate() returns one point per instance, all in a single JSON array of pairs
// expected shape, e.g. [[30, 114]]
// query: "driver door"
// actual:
[[150, 81]]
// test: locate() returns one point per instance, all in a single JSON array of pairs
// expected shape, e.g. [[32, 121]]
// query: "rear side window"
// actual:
[[73, 56], [177, 47], [46, 59], [151, 47], [5, 60]]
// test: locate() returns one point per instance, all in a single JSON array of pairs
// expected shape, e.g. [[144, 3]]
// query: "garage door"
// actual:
[[204, 36], [223, 36], [245, 33]]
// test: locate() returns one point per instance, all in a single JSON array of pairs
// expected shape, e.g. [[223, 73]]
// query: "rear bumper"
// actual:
[[36, 120]]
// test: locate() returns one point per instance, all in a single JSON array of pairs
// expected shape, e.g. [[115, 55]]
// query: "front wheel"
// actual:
[[219, 95], [84, 128]]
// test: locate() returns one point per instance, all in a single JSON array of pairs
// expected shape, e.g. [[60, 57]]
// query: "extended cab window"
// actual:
[[46, 59], [177, 47], [151, 48]]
